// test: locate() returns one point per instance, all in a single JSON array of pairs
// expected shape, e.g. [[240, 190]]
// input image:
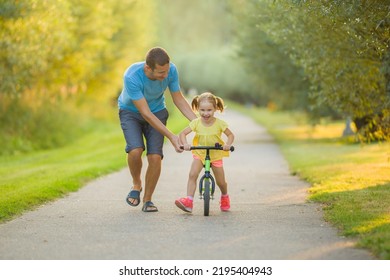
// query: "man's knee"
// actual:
[[137, 152], [154, 158]]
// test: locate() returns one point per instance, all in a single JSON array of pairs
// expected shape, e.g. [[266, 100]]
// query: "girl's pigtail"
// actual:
[[220, 104], [195, 103]]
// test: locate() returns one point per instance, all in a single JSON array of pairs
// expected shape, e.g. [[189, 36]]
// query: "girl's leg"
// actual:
[[186, 203], [196, 167], [219, 175]]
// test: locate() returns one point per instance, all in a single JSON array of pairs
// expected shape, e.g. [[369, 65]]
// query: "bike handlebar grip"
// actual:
[[232, 148]]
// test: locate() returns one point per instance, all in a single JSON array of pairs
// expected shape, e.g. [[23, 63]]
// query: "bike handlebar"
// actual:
[[216, 147]]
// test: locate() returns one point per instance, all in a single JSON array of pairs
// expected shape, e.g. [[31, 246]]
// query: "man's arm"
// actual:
[[144, 110], [183, 138], [182, 104]]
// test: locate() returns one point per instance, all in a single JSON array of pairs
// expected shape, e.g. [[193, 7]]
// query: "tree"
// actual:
[[33, 37], [60, 55], [276, 78], [342, 47]]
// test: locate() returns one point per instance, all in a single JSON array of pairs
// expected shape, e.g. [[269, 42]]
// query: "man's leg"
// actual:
[[131, 124], [134, 161], [154, 142], [152, 175]]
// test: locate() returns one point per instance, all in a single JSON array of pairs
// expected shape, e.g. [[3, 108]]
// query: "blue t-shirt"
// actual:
[[136, 85]]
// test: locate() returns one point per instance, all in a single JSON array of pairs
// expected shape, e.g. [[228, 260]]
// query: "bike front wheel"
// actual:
[[206, 197]]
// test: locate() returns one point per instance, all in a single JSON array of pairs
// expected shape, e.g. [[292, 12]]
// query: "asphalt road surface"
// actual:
[[269, 218]]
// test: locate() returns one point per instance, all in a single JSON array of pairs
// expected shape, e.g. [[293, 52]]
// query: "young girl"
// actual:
[[208, 130]]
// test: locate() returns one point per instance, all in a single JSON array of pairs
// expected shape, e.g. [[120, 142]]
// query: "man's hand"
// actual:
[[175, 143], [187, 147]]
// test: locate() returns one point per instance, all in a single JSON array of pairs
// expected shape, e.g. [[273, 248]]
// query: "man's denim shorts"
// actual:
[[135, 128]]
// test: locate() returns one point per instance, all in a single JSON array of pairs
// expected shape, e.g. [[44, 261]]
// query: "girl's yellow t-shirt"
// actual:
[[208, 136]]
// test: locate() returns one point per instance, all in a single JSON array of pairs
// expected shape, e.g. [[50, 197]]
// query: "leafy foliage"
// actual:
[[342, 48], [60, 58]]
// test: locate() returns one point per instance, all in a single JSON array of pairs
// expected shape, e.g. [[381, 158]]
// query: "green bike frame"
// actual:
[[207, 182]]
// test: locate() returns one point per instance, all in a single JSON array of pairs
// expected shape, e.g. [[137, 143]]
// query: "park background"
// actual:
[[315, 73]]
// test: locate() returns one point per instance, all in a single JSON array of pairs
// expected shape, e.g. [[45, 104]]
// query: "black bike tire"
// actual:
[[206, 197]]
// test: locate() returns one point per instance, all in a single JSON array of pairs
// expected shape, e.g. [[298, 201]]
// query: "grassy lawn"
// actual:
[[351, 180], [29, 180]]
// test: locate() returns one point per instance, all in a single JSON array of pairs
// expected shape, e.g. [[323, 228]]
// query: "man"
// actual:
[[143, 114]]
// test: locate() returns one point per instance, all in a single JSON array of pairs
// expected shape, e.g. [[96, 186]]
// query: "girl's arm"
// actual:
[[183, 138], [230, 139]]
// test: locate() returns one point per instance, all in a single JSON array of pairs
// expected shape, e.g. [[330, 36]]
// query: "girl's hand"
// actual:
[[226, 147]]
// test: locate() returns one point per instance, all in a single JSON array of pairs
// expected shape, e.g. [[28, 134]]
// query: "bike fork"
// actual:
[[206, 178]]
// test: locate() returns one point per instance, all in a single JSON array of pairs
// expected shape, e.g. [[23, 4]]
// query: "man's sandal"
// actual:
[[149, 207], [134, 194]]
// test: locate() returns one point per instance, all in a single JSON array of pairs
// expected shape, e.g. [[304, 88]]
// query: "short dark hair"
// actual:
[[155, 56]]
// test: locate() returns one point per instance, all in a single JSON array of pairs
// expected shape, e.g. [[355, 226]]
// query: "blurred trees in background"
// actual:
[[60, 56], [329, 58], [67, 44], [337, 53], [62, 61], [199, 38]]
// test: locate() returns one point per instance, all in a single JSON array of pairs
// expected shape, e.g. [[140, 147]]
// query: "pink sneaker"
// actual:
[[225, 203], [184, 204]]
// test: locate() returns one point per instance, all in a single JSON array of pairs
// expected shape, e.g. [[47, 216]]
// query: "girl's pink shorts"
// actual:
[[217, 163]]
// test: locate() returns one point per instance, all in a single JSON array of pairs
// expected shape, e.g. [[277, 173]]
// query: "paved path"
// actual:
[[269, 219]]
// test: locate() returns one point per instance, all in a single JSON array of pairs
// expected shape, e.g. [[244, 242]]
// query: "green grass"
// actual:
[[351, 180], [29, 180]]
